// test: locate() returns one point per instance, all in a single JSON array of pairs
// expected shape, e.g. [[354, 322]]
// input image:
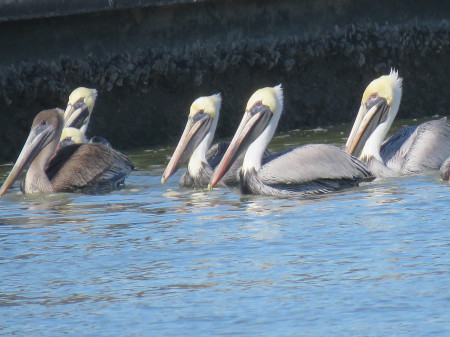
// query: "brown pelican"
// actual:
[[79, 108], [299, 171], [410, 150], [195, 142], [86, 168]]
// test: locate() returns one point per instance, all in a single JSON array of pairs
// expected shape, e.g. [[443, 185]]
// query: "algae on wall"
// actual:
[[150, 63]]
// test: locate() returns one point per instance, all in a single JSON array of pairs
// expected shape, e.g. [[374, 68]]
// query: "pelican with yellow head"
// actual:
[[410, 150], [295, 172], [195, 144], [79, 108], [71, 136]]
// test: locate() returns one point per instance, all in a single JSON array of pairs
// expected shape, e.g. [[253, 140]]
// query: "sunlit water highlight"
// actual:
[[159, 260]]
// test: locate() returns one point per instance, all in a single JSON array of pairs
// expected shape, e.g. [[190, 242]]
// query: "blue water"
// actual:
[[159, 260]]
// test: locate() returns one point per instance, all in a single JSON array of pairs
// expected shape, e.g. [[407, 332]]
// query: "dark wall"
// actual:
[[149, 63], [32, 9]]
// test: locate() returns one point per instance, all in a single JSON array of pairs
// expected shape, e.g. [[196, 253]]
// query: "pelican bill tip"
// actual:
[[210, 187], [163, 180], [3, 191]]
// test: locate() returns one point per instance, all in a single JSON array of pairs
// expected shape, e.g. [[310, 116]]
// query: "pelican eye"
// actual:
[[44, 123], [256, 107], [67, 139], [78, 104], [199, 115], [374, 96]]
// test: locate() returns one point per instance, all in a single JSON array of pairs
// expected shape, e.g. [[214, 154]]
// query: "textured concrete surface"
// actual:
[[11, 10], [150, 62]]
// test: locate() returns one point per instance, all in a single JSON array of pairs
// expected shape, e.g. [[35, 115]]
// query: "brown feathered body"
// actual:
[[88, 168]]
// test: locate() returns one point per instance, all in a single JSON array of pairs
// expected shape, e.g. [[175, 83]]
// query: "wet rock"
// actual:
[[289, 64], [360, 59]]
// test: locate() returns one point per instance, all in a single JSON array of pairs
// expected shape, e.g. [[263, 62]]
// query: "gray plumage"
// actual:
[[100, 140], [197, 181], [417, 149], [305, 170], [378, 168], [213, 156], [295, 172]]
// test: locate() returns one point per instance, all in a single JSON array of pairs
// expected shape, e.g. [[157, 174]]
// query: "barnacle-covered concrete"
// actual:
[[150, 62]]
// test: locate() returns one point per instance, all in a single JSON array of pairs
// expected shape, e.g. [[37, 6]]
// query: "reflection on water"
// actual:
[[370, 261]]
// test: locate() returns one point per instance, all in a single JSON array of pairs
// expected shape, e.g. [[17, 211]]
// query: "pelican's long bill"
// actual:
[[197, 135], [379, 106], [196, 129], [252, 125], [38, 138], [80, 106], [371, 114]]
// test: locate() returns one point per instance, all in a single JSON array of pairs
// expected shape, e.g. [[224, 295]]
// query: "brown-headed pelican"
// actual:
[[299, 171], [86, 168], [411, 149], [79, 108], [195, 142]]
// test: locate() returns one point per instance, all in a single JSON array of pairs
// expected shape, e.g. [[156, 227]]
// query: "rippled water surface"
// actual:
[[159, 260]]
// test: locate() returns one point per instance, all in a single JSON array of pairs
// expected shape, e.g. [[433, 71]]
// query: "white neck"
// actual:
[[198, 157], [255, 151], [373, 143]]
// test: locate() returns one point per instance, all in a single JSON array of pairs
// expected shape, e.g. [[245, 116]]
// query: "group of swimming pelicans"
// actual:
[[60, 159]]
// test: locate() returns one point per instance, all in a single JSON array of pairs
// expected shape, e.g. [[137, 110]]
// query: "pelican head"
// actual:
[[197, 135], [255, 131], [71, 136], [79, 108], [379, 106], [39, 146]]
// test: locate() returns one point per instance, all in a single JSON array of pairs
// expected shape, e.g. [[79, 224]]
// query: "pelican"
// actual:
[[79, 108], [195, 142], [86, 168], [445, 170], [296, 172], [410, 150], [70, 136]]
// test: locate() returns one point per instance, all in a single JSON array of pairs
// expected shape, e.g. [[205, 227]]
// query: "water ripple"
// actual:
[[371, 261]]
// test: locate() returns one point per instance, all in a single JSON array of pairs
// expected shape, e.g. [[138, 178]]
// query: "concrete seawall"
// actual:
[[151, 59]]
